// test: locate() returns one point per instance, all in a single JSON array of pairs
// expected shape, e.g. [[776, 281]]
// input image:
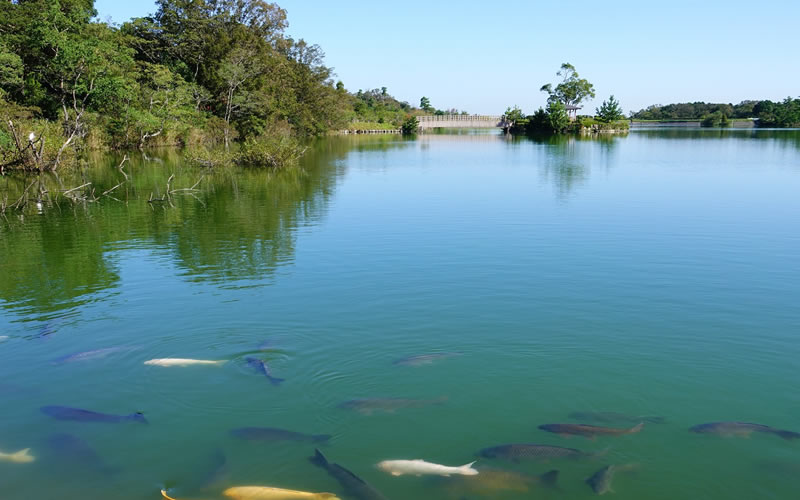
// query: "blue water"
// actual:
[[652, 274]]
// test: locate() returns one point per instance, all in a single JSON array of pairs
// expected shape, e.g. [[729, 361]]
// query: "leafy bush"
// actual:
[[410, 125], [265, 152], [715, 119]]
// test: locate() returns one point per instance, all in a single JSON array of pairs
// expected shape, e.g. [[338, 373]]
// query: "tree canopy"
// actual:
[[195, 71], [571, 90]]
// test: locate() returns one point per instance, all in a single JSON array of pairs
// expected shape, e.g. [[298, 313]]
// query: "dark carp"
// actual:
[[368, 406], [539, 452], [491, 482], [275, 434], [424, 359], [89, 355], [600, 481], [609, 417], [76, 451], [67, 413], [353, 485], [262, 368], [741, 429], [589, 431]]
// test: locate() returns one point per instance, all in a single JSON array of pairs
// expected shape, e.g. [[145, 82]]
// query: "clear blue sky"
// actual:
[[484, 56]]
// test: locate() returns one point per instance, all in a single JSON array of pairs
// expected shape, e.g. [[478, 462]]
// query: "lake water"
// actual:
[[655, 274]]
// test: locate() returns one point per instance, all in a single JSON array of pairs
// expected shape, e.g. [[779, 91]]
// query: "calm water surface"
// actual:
[[656, 274]]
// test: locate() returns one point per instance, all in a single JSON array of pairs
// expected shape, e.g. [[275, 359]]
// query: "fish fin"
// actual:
[[636, 428], [138, 417], [275, 380], [328, 496], [469, 465], [788, 434], [164, 494], [23, 456], [602, 452], [319, 459], [549, 478]]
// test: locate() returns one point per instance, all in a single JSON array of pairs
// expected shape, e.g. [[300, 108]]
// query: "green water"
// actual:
[[652, 274]]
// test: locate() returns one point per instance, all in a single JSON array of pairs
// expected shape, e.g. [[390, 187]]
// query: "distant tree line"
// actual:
[[768, 113]]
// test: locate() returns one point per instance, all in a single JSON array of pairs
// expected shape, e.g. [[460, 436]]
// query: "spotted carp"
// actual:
[[743, 429], [270, 493], [589, 431], [490, 482]]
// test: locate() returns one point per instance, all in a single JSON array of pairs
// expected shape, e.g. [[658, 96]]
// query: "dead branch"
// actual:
[[76, 188]]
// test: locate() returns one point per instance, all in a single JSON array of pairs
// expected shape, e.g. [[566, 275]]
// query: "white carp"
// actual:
[[420, 467], [183, 362], [20, 457]]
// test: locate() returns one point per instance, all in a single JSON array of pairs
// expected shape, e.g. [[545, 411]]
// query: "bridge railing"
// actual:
[[455, 118]]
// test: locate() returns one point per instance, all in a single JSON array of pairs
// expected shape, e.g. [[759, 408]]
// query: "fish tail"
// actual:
[[22, 456], [788, 434], [636, 428], [320, 438], [164, 494], [319, 459], [468, 470], [275, 380], [549, 478], [138, 417]]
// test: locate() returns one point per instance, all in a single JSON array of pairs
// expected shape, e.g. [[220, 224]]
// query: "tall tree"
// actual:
[[609, 111], [571, 90], [425, 105]]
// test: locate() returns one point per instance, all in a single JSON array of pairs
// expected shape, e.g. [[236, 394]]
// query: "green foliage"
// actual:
[[514, 115], [11, 72], [378, 106], [571, 90], [778, 114], [609, 111], [557, 117], [196, 70], [695, 111], [264, 152], [715, 119], [410, 125], [425, 105], [538, 123]]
